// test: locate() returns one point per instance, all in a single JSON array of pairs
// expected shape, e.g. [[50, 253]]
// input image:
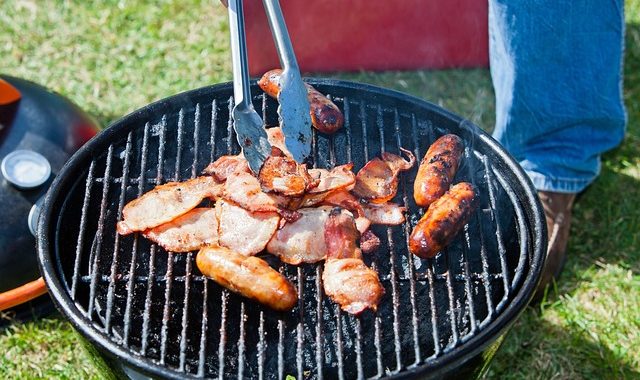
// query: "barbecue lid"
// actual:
[[154, 310]]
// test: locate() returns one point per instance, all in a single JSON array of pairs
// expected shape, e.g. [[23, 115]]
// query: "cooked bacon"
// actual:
[[191, 231], [340, 234], [242, 231], [389, 214], [283, 175], [251, 277], [244, 190], [352, 285], [165, 203], [302, 241], [347, 280], [377, 181], [369, 242], [224, 166], [344, 199], [276, 139], [340, 177]]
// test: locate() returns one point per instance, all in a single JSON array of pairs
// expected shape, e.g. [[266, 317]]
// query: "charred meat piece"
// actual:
[[191, 231], [340, 177], [243, 231], [165, 203], [346, 278], [377, 181], [276, 139], [388, 214], [325, 115], [283, 175], [225, 166], [303, 240], [437, 169], [251, 277], [443, 220]]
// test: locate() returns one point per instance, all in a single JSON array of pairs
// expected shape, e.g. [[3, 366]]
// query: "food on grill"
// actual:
[[283, 175], [377, 181], [244, 190], [276, 139], [249, 276], [389, 214], [443, 220], [303, 240], [243, 231], [340, 177], [325, 115], [165, 203], [195, 229], [298, 215], [347, 280], [224, 166], [437, 169]]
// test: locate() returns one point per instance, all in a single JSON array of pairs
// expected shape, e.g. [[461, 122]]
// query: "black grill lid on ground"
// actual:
[[156, 312]]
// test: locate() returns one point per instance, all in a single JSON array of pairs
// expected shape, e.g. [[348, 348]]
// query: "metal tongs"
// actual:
[[293, 110]]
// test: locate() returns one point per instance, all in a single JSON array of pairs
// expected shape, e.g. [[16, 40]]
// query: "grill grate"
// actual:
[[156, 306]]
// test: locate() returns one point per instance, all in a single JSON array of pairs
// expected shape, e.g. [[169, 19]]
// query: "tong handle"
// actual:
[[241, 86], [281, 35]]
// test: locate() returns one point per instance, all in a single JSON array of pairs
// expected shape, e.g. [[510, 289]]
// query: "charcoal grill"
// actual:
[[153, 312]]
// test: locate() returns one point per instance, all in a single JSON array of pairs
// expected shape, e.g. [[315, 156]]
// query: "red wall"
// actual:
[[351, 35]]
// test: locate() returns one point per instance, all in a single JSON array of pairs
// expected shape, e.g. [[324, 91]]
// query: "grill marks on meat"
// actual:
[[283, 175], [437, 169], [303, 240], [225, 166], [189, 232], [242, 231], [346, 278], [250, 276], [377, 181], [443, 220], [165, 203], [325, 115]]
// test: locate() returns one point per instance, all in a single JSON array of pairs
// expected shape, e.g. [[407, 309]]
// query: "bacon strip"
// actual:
[[191, 231]]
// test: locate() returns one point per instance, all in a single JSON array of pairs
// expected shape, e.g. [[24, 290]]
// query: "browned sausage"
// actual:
[[249, 276], [437, 169], [325, 115], [442, 221]]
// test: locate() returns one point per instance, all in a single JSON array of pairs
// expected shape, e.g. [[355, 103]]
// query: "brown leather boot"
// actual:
[[557, 209]]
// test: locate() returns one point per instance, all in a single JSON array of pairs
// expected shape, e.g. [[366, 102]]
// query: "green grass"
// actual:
[[115, 56]]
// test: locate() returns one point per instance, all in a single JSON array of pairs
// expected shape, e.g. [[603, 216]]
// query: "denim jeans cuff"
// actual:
[[558, 185]]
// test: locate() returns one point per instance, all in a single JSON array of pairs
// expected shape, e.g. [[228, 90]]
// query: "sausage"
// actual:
[[325, 115], [443, 220], [437, 169], [249, 276]]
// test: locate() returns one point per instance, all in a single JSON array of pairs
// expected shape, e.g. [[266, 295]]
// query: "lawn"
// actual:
[[115, 56]]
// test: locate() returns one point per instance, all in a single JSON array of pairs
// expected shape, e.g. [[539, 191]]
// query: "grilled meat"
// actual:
[[377, 181], [191, 231], [165, 203], [437, 169], [325, 115], [443, 220], [250, 276]]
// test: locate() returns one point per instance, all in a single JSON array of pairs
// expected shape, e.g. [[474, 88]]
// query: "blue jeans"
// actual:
[[556, 67]]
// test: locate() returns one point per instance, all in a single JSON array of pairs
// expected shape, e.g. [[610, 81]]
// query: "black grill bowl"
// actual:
[[153, 311]]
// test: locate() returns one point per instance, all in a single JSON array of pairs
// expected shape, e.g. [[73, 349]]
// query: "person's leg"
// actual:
[[556, 68]]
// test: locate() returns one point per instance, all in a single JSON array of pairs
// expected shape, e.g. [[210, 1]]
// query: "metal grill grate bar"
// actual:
[[243, 318], [203, 330], [99, 235], [83, 227], [185, 312], [407, 233], [152, 252], [223, 333], [116, 244], [300, 326], [429, 266]]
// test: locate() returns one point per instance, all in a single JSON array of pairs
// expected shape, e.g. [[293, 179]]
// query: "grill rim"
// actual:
[[67, 178]]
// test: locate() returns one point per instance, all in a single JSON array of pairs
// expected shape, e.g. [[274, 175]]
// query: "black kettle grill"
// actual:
[[35, 124], [152, 312]]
